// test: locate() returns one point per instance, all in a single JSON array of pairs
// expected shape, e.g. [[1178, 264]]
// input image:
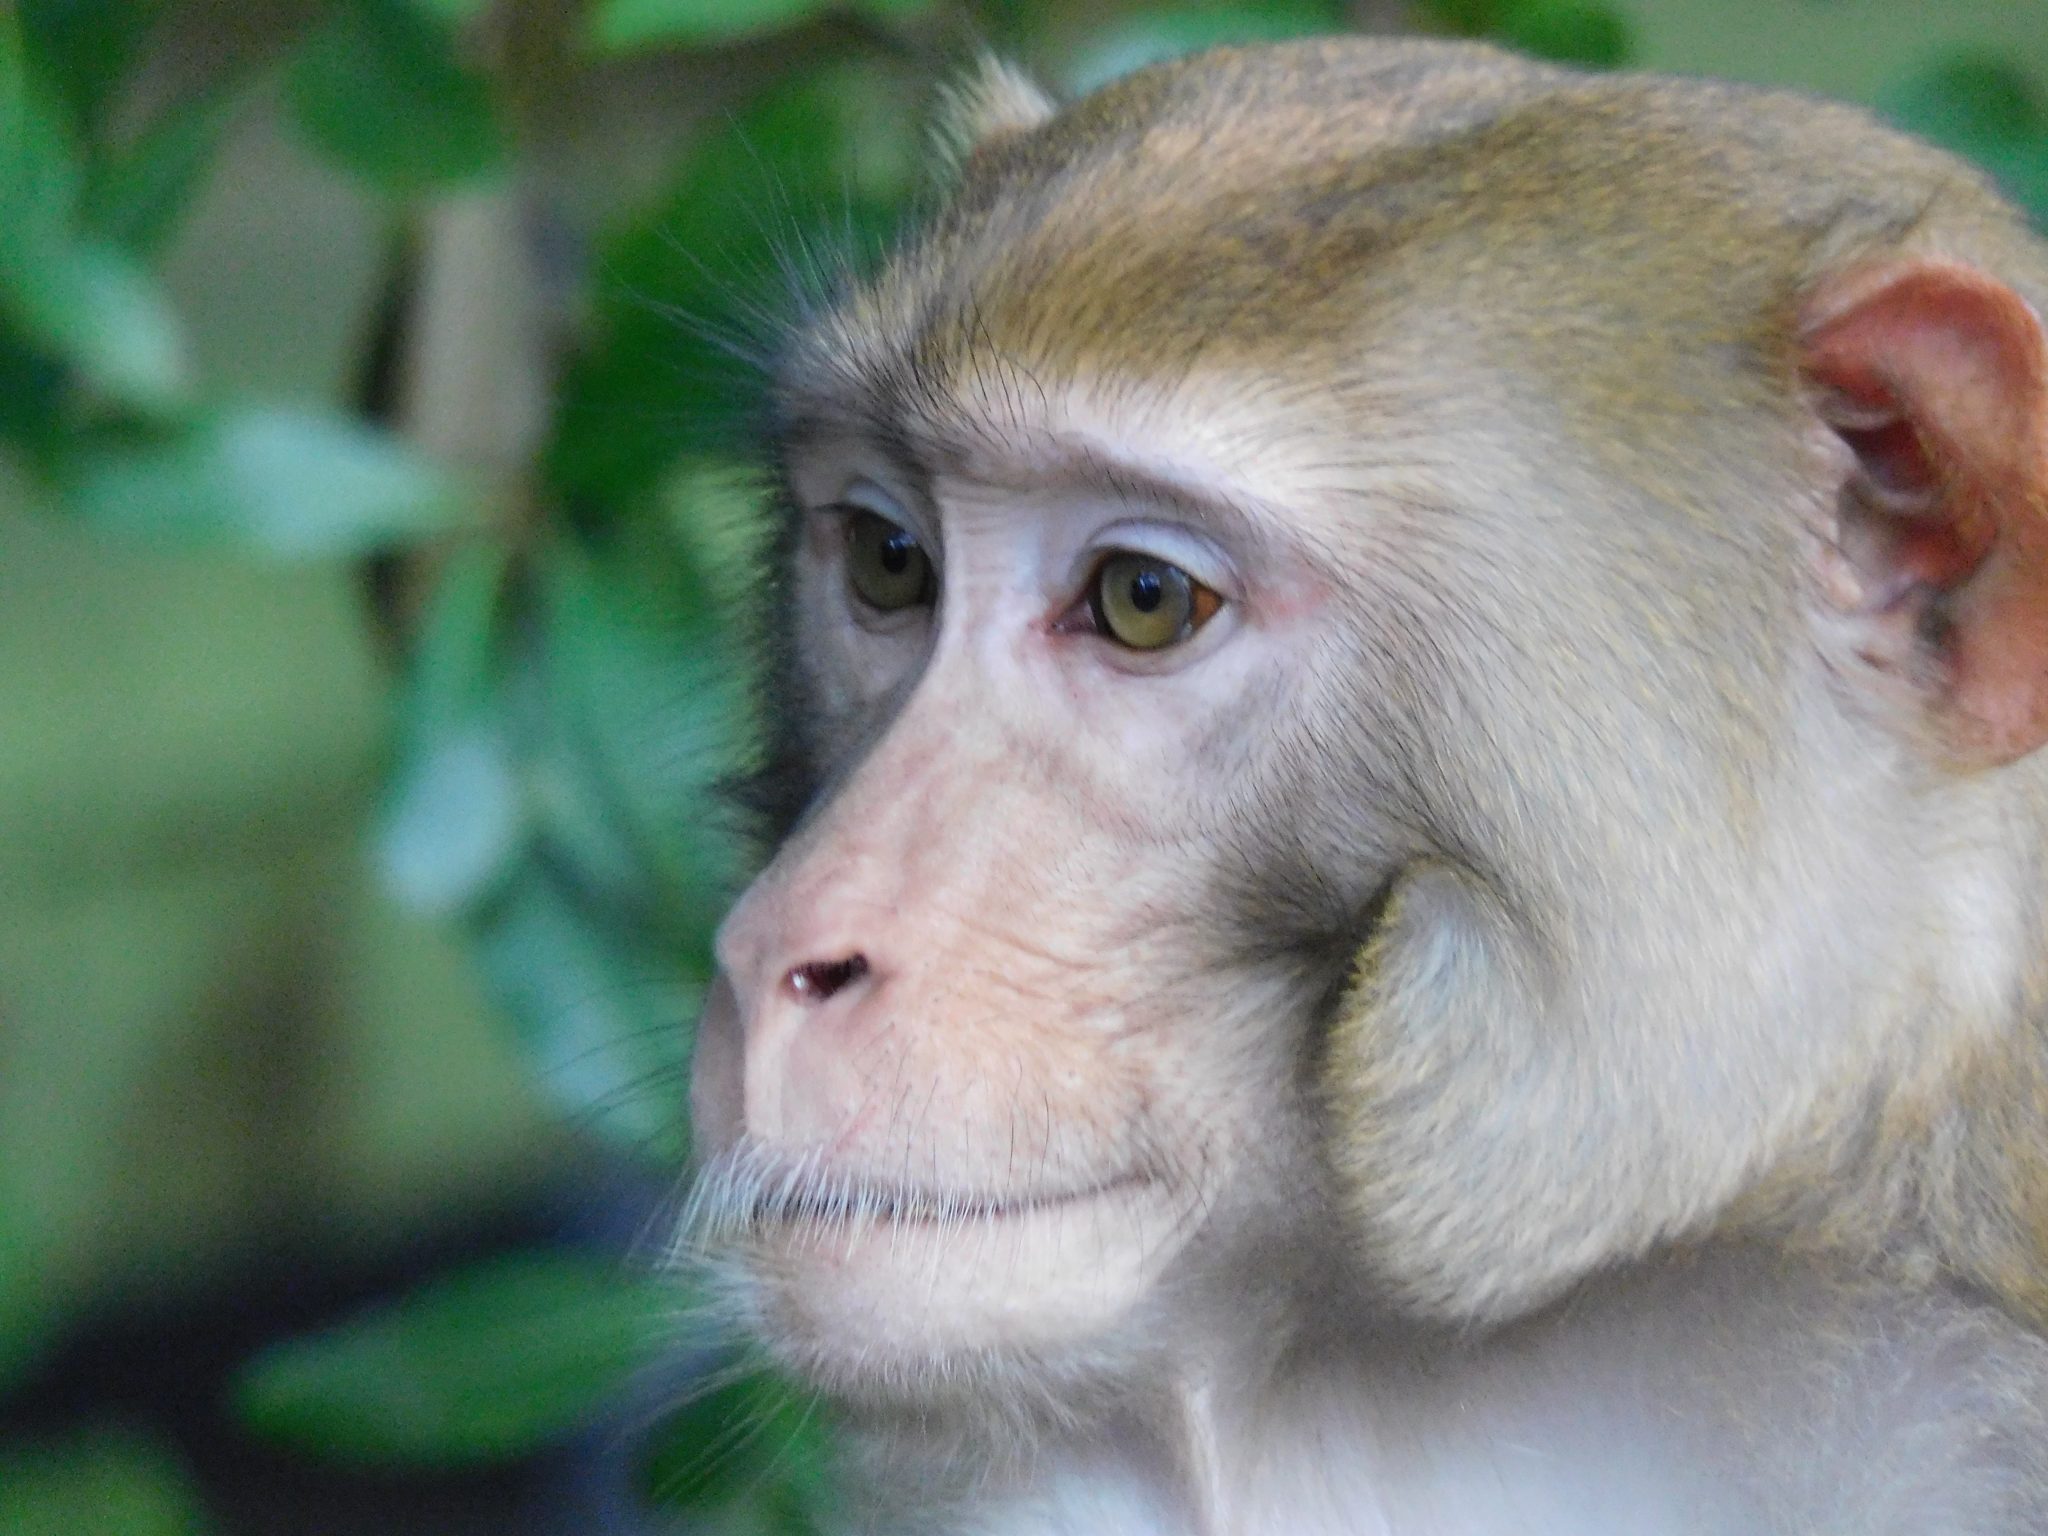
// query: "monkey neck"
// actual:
[[1936, 1168], [1963, 1174], [1984, 1143], [1332, 1421]]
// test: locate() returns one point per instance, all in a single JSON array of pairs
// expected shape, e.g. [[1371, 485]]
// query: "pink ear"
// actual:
[[1936, 376]]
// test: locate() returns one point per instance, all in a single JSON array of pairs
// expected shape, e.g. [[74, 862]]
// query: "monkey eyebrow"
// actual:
[[1088, 466], [1262, 530], [1033, 460]]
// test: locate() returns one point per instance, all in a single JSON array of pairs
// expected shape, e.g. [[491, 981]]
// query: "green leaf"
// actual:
[[86, 305], [1596, 36], [1468, 18], [454, 816], [631, 712], [86, 48], [561, 732], [450, 13], [31, 401], [482, 1366], [625, 26], [759, 213], [647, 716], [1970, 98], [1569, 31], [98, 310], [284, 482], [1988, 109], [1150, 37], [378, 88], [2021, 171], [102, 1484], [603, 1012], [895, 10], [39, 176], [455, 819], [756, 1440], [136, 195]]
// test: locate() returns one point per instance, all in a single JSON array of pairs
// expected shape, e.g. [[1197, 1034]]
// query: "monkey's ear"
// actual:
[[994, 101], [1936, 377]]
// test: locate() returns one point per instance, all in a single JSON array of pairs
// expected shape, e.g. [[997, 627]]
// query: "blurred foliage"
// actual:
[[480, 1366], [746, 1454], [105, 1483], [378, 89], [1986, 108], [570, 679], [289, 483], [1597, 36], [624, 25], [694, 278]]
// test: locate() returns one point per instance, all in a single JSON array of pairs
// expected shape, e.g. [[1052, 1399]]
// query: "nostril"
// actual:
[[821, 978]]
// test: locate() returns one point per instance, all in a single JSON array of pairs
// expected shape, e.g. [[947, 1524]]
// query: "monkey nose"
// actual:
[[817, 981], [800, 1084]]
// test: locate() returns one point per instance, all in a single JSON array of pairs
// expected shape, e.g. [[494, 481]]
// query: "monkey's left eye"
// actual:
[[1146, 603], [886, 566]]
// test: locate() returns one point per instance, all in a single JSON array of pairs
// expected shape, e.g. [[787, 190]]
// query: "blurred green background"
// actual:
[[373, 402]]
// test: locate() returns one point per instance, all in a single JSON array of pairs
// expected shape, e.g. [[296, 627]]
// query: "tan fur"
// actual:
[[996, 101]]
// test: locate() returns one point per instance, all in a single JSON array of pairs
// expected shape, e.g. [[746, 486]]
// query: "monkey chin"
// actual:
[[902, 1297]]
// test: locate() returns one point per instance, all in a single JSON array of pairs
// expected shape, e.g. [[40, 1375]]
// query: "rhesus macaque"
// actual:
[[1412, 853]]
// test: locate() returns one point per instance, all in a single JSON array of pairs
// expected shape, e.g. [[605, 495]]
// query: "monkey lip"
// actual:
[[822, 1201]]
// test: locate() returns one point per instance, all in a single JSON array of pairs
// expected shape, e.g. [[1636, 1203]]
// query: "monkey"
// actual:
[[1407, 841]]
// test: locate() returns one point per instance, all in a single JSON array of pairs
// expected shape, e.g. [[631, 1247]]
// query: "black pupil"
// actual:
[[1147, 591], [896, 553]]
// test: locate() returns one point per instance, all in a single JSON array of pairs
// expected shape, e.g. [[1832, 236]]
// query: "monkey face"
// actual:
[[968, 1086], [1188, 833], [1338, 736]]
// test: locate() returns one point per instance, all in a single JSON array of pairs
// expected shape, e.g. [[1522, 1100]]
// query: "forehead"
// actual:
[[1149, 231], [1252, 247]]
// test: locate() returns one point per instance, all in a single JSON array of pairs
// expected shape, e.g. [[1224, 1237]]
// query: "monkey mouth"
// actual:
[[867, 1283], [749, 1196], [825, 1204]]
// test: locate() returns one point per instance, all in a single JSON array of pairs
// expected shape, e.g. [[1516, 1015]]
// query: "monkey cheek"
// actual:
[[717, 1083]]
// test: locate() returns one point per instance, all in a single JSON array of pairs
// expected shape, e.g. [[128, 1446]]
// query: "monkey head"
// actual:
[[1402, 675]]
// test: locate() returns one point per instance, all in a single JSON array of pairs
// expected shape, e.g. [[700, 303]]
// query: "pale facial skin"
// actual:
[[997, 1128]]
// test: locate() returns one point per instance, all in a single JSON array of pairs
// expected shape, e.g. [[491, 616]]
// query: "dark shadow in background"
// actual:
[[166, 1371]]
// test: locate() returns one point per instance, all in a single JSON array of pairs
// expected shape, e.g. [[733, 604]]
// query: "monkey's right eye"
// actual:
[[885, 565]]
